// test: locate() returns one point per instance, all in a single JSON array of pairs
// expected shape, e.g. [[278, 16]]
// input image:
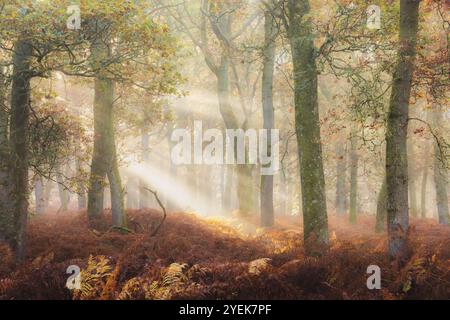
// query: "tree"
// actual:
[[19, 135], [219, 18], [315, 220], [38, 54], [440, 174], [381, 208], [396, 134], [353, 177], [270, 32], [104, 158], [341, 170]]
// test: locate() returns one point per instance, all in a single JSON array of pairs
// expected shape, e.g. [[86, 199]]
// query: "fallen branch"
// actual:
[[154, 232], [113, 228]]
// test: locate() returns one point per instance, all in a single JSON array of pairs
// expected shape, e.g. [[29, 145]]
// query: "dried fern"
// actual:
[[257, 266], [174, 275], [5, 284], [93, 278]]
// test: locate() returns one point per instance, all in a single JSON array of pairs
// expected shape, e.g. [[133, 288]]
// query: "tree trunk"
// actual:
[[423, 191], [171, 204], [104, 159], [282, 194], [19, 135], [341, 170], [353, 178], [81, 190], [412, 180], [99, 165], [307, 126], [440, 175], [267, 215], [39, 195], [6, 209], [381, 208], [396, 135], [132, 188], [117, 197], [143, 194], [64, 196]]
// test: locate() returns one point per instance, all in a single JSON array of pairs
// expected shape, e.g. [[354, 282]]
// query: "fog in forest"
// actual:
[[160, 138]]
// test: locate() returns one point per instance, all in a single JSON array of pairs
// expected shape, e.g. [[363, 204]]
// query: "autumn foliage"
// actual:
[[194, 258]]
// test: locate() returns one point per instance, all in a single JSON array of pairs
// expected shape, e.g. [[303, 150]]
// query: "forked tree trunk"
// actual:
[[104, 159]]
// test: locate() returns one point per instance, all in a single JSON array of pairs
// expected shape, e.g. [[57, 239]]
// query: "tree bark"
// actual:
[[423, 191], [353, 178], [64, 196], [440, 176], [267, 215], [81, 189], [341, 170], [6, 209], [19, 137], [412, 180], [143, 194], [39, 195], [99, 165], [104, 159], [381, 208], [396, 135], [315, 220]]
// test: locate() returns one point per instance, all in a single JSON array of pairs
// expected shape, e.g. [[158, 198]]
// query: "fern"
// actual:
[[93, 278], [257, 266], [174, 275], [132, 289], [5, 285]]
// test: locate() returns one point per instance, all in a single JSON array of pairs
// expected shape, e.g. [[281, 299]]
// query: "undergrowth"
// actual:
[[193, 258]]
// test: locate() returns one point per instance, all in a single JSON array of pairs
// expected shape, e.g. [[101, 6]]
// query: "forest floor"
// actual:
[[201, 258]]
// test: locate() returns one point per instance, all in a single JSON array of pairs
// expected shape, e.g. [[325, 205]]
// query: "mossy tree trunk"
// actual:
[[381, 208], [307, 128], [104, 158], [396, 135], [6, 213], [19, 136]]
